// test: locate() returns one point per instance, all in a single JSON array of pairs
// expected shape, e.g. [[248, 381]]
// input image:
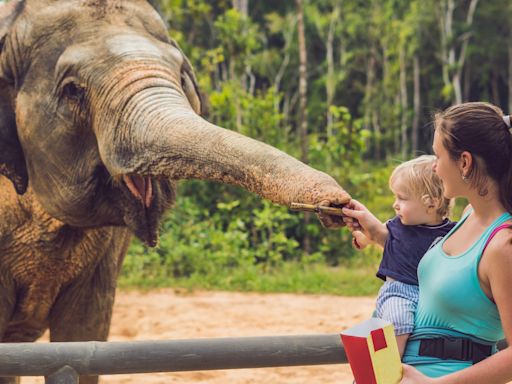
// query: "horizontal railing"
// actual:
[[63, 362]]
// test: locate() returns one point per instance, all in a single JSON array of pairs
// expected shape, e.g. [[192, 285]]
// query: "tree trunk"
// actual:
[[303, 83], [288, 38], [303, 113], [467, 81], [510, 75], [453, 65], [446, 28], [330, 83], [462, 55], [245, 80], [404, 101], [417, 105], [242, 6], [395, 129], [495, 87], [376, 127], [251, 79], [286, 111], [457, 90], [368, 101], [224, 72]]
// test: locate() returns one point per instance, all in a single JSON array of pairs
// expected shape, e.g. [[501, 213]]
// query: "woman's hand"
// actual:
[[411, 375], [359, 218]]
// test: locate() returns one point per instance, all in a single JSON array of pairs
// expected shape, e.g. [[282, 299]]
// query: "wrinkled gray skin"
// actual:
[[99, 115]]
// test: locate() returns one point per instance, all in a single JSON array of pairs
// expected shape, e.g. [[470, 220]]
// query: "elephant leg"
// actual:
[[9, 380], [7, 303], [84, 310], [19, 332]]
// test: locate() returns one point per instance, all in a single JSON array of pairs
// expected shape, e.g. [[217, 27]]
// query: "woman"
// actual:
[[465, 280]]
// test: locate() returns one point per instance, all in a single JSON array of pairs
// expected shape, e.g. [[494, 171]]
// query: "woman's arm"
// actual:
[[495, 274]]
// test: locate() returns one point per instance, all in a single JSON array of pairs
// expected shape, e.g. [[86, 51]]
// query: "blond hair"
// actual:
[[420, 180]]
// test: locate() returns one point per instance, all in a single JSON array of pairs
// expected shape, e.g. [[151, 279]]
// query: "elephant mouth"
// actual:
[[145, 200], [140, 187], [140, 210]]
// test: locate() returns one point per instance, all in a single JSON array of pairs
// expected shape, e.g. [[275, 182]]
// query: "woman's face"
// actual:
[[447, 169]]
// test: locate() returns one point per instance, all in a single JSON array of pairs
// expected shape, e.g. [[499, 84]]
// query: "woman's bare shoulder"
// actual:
[[500, 247]]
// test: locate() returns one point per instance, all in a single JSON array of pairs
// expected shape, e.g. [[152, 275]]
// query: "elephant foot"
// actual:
[[21, 335], [23, 331]]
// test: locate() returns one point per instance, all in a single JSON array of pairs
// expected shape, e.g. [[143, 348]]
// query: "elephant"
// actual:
[[100, 116]]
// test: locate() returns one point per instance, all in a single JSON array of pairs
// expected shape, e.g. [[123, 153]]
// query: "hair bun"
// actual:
[[506, 119]]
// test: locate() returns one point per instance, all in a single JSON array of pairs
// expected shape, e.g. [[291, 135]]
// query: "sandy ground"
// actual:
[[169, 314]]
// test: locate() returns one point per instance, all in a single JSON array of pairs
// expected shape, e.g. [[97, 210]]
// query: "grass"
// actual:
[[354, 279]]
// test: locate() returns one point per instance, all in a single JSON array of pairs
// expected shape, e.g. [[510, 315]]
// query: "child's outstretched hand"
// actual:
[[359, 218], [359, 240]]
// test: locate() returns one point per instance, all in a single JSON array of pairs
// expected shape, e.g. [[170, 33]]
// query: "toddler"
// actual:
[[420, 221]]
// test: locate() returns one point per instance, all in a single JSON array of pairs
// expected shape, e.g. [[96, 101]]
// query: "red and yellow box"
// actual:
[[372, 352]]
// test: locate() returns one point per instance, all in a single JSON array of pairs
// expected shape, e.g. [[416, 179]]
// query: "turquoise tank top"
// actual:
[[452, 303]]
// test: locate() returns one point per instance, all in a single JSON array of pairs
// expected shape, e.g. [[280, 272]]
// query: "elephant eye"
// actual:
[[72, 91]]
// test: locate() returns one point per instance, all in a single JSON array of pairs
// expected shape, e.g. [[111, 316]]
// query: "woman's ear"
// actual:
[[12, 160], [466, 163]]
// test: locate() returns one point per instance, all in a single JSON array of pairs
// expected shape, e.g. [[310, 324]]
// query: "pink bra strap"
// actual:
[[495, 231]]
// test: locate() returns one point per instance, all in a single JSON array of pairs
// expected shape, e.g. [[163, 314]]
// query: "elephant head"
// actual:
[[100, 114]]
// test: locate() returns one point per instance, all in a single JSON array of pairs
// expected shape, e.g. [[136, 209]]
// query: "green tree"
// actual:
[[376, 70]]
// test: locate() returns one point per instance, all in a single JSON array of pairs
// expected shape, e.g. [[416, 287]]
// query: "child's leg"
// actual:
[[397, 303]]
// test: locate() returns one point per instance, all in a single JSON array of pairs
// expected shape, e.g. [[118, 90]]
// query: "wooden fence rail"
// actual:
[[62, 362]]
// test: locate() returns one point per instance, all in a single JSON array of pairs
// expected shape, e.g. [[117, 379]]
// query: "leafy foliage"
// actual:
[[362, 57]]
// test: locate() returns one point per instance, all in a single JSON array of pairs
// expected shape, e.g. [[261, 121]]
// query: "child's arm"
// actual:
[[359, 240], [359, 218]]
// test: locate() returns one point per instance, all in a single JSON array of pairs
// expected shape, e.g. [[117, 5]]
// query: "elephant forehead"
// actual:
[[122, 45]]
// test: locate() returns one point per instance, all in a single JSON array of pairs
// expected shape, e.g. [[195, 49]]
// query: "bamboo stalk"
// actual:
[[316, 208]]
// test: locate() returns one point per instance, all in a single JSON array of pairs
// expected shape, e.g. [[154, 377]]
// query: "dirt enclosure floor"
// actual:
[[169, 314]]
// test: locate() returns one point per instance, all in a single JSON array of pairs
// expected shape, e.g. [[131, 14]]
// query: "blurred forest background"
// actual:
[[347, 86]]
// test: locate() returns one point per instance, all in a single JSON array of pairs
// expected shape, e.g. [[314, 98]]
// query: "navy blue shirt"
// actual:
[[405, 246]]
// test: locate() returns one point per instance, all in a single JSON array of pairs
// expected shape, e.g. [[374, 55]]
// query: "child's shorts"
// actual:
[[397, 303]]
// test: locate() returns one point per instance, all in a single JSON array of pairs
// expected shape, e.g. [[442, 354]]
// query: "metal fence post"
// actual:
[[65, 375]]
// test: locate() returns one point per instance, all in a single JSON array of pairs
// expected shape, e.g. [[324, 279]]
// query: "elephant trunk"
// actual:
[[165, 137]]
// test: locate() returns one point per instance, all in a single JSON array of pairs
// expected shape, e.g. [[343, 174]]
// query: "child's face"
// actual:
[[410, 209]]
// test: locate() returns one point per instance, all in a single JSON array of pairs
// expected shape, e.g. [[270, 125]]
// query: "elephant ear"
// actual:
[[12, 161], [197, 98], [191, 87]]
